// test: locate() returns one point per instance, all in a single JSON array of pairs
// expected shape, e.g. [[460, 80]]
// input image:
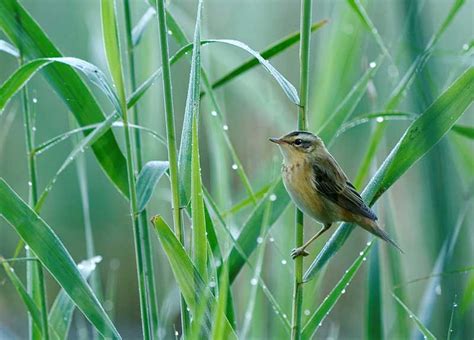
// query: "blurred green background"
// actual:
[[420, 209]]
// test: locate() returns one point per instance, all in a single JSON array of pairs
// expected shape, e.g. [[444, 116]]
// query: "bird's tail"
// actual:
[[373, 228]]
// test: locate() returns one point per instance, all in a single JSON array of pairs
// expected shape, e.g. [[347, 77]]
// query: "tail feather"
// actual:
[[379, 232]]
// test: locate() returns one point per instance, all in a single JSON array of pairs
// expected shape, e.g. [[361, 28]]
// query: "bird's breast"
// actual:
[[297, 178]]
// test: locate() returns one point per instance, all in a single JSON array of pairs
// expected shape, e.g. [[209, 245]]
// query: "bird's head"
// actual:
[[298, 145]]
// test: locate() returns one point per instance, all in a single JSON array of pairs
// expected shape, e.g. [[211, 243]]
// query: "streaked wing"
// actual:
[[332, 183]]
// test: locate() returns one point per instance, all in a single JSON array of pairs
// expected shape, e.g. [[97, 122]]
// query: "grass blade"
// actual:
[[374, 320], [183, 270], [69, 86], [142, 24], [330, 301], [54, 256], [247, 239], [23, 74], [147, 181], [9, 49], [463, 130], [269, 52], [219, 324], [424, 133], [60, 315], [30, 305], [328, 131], [425, 331]]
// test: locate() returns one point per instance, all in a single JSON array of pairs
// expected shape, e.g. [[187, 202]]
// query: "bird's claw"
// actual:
[[298, 252]]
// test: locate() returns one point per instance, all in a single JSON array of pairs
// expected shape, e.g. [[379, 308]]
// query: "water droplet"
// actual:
[[284, 316], [235, 166], [455, 305], [248, 315], [364, 258], [273, 197], [372, 64], [33, 128], [379, 119], [30, 184], [410, 316], [35, 100], [27, 247], [217, 263], [176, 333], [188, 309], [283, 261], [170, 32], [361, 253], [259, 240], [369, 243], [272, 239], [307, 312], [212, 284], [438, 290], [11, 269], [465, 47], [225, 127], [320, 324], [254, 282], [343, 291], [213, 113]]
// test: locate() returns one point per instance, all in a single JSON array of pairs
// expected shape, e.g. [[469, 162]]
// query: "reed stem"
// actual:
[[171, 137], [305, 29], [142, 219]]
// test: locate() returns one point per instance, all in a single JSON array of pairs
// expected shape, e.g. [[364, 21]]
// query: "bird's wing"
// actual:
[[332, 183]]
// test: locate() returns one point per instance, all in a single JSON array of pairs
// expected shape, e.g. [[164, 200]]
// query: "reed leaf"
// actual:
[[53, 255]]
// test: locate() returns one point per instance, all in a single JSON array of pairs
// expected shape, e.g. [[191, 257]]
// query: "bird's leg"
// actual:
[[301, 250]]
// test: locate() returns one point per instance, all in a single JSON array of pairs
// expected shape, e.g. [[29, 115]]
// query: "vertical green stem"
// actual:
[[34, 270], [305, 29], [114, 59], [171, 136], [143, 219]]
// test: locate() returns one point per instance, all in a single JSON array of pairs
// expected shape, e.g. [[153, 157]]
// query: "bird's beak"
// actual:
[[276, 140]]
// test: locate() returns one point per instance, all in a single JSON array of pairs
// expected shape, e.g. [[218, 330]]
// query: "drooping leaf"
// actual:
[[147, 179], [142, 24], [53, 255]]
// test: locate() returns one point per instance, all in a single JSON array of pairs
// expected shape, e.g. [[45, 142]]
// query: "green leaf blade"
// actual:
[[54, 256]]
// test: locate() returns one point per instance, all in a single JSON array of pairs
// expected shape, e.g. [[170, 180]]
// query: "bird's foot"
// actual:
[[298, 252]]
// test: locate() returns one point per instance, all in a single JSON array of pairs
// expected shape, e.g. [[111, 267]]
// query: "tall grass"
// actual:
[[210, 82]]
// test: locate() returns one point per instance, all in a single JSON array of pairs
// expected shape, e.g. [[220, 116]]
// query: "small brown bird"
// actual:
[[320, 188]]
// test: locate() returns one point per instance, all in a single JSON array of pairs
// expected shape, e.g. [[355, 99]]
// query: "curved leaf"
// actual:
[[23, 74], [330, 301], [9, 48], [147, 180], [53, 255], [20, 27], [189, 281], [140, 27]]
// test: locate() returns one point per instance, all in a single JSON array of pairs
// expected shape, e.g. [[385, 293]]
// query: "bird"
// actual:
[[320, 188]]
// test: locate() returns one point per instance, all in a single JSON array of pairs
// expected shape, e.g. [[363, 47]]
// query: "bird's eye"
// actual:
[[298, 141]]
